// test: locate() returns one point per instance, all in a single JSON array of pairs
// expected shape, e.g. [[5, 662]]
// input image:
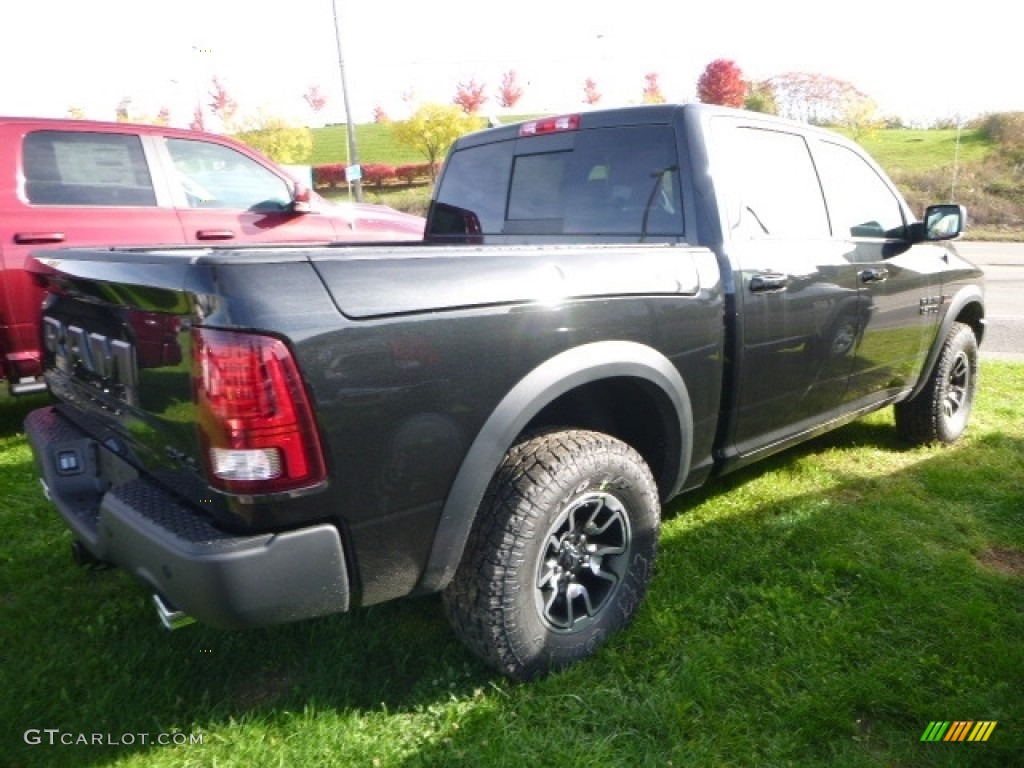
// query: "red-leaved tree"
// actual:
[[198, 123], [722, 83], [221, 103], [380, 115], [510, 91], [314, 98], [470, 96], [590, 93]]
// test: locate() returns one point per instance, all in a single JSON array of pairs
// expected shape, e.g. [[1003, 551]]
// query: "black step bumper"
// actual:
[[222, 579]]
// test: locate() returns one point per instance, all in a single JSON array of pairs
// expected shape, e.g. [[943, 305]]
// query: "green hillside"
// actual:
[[896, 149], [917, 150], [373, 142]]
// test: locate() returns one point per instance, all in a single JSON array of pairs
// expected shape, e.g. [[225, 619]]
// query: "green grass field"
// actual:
[[374, 144], [917, 150], [894, 149], [818, 609]]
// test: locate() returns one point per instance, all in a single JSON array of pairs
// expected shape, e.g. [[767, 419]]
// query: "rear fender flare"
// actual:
[[550, 380]]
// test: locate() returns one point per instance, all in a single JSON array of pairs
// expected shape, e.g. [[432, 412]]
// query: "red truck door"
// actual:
[[72, 188], [224, 196]]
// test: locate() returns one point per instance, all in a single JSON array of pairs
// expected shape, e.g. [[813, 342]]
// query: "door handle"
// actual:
[[872, 275], [767, 282], [215, 234], [29, 238]]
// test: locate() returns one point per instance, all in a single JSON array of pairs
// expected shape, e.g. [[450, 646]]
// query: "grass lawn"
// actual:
[[917, 150], [818, 609]]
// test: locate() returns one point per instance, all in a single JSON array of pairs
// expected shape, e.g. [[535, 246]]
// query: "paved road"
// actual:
[[1003, 264]]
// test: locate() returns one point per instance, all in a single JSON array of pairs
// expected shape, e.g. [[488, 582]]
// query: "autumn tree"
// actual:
[[198, 122], [278, 139], [121, 112], [315, 98], [859, 114], [510, 92], [432, 129], [1006, 130], [652, 90], [722, 83], [221, 103], [761, 98], [125, 114], [813, 97], [591, 95], [380, 115], [470, 96]]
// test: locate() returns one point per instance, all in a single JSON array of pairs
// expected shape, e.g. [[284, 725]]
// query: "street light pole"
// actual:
[[353, 153]]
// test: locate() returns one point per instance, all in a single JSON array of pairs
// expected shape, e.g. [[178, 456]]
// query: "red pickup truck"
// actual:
[[77, 182]]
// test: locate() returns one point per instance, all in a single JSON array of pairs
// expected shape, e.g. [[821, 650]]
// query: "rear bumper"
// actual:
[[222, 579]]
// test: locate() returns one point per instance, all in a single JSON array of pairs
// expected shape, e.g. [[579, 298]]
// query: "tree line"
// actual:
[[432, 127]]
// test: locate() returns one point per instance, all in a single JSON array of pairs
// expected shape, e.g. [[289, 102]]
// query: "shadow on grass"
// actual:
[[814, 629], [13, 411]]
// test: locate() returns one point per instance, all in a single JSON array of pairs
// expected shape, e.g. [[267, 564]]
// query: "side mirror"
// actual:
[[944, 222], [450, 223], [302, 198]]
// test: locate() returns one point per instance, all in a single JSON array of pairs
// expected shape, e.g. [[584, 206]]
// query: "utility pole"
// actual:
[[956, 158], [353, 153]]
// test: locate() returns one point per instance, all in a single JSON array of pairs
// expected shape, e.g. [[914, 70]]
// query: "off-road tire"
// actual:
[[560, 553], [939, 412]]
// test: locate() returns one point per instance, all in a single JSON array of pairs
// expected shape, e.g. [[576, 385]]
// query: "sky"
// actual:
[[922, 61]]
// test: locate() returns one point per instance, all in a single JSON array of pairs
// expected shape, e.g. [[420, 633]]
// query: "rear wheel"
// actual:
[[940, 411], [560, 553]]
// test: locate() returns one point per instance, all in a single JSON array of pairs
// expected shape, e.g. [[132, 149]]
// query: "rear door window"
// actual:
[[86, 169], [774, 186]]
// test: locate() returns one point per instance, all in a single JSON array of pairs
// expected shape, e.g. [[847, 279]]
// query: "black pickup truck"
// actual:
[[609, 309]]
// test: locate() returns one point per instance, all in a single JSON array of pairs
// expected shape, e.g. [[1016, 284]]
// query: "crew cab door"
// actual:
[[226, 197], [899, 283], [795, 290], [74, 188]]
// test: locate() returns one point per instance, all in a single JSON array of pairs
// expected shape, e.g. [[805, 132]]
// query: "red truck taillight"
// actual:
[[256, 427]]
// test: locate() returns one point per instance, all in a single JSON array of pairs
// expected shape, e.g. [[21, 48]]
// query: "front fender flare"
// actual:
[[543, 385], [970, 294]]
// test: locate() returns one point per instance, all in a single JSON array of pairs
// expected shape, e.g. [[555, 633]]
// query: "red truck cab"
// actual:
[[78, 182]]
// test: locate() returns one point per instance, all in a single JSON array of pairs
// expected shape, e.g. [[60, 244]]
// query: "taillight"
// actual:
[[550, 125], [256, 427]]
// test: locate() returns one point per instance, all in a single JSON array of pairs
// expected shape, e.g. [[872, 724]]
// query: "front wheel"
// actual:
[[560, 553], [940, 411]]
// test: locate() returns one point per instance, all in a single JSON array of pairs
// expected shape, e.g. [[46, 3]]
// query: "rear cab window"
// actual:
[[86, 169], [621, 181]]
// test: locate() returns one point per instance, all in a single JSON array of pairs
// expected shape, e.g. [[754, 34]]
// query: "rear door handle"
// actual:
[[872, 275], [30, 238], [215, 234], [767, 282]]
